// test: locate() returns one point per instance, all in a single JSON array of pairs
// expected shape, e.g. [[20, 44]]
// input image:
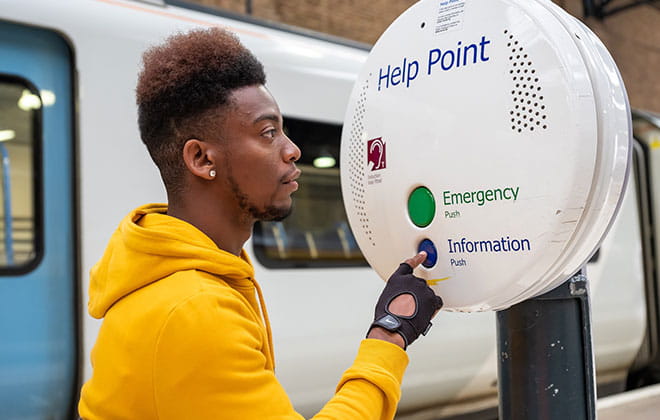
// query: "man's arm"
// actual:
[[209, 364]]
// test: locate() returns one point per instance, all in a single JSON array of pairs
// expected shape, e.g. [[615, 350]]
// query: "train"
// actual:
[[73, 165]]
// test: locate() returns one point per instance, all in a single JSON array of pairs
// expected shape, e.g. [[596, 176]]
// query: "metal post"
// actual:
[[546, 364]]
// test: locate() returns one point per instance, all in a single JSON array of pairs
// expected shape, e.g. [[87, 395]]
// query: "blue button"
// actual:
[[431, 253]]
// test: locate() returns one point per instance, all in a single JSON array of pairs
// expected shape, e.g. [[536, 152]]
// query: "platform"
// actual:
[[640, 404]]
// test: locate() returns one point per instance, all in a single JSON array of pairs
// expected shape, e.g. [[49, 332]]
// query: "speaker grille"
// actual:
[[528, 111], [358, 162]]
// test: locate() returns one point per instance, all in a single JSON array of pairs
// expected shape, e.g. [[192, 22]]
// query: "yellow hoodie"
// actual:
[[184, 337]]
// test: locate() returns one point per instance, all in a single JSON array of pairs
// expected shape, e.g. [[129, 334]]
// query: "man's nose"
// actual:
[[291, 151]]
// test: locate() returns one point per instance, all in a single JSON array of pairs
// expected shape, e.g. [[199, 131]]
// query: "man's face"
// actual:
[[258, 158]]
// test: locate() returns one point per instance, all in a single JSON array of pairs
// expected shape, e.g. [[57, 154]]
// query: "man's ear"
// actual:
[[200, 159]]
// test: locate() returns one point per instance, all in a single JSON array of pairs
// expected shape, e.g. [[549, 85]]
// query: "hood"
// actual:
[[149, 245]]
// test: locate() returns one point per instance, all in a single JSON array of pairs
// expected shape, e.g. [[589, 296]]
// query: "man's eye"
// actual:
[[270, 133]]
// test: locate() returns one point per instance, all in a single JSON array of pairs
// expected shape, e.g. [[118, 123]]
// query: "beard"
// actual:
[[267, 214]]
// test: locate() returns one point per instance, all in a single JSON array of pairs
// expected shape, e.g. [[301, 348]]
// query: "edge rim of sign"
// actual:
[[592, 217]]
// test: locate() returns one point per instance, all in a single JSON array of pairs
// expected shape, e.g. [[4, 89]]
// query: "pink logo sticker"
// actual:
[[376, 154]]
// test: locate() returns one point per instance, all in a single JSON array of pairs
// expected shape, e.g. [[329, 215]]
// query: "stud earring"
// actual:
[[212, 173]]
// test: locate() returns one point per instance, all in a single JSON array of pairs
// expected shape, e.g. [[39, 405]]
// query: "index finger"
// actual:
[[416, 260]]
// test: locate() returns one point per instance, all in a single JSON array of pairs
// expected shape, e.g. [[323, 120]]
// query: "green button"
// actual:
[[421, 207]]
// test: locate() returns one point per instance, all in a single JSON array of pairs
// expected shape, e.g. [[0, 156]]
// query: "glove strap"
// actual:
[[392, 324]]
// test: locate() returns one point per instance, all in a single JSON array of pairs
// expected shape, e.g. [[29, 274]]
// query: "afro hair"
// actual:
[[182, 85]]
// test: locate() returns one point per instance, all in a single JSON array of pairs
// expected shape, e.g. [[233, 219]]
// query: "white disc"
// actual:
[[511, 117]]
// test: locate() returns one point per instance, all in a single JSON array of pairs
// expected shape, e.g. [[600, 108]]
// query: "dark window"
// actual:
[[317, 233], [20, 107]]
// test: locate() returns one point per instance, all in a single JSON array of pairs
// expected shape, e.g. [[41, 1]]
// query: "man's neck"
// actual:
[[228, 229]]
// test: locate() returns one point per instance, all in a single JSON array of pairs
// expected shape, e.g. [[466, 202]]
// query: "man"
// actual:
[[185, 332]]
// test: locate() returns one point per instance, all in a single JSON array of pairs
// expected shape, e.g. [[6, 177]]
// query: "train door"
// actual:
[[38, 325]]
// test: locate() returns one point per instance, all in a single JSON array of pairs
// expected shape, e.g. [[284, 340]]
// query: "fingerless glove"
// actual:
[[426, 304]]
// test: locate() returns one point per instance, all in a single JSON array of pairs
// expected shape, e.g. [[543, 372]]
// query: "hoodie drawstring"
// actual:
[[264, 313]]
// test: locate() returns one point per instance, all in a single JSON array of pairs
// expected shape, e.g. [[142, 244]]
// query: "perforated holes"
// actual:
[[357, 163], [526, 88]]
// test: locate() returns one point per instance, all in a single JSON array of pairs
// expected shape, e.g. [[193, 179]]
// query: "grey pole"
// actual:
[[546, 364]]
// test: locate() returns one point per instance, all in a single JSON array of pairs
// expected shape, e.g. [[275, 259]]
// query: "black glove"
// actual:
[[426, 304]]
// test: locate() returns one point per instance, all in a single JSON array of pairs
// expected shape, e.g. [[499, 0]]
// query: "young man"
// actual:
[[185, 333]]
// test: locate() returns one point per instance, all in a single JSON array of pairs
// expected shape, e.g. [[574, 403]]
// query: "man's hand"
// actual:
[[405, 307]]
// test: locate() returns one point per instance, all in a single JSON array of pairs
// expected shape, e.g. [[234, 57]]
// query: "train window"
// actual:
[[646, 129], [316, 234], [19, 128]]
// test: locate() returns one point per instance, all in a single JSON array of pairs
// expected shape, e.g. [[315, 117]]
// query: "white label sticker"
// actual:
[[450, 16]]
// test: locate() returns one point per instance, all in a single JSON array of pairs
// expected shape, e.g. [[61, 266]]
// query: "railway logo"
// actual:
[[376, 154]]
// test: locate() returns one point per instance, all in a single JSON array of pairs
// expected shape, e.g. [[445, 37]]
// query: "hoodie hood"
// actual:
[[149, 245]]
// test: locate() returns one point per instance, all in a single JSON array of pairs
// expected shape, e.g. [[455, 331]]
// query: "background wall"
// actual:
[[360, 20], [632, 36]]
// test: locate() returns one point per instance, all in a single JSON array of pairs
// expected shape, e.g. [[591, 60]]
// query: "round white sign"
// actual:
[[495, 135]]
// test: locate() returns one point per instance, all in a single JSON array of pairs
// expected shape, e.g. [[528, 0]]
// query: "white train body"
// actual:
[[319, 312]]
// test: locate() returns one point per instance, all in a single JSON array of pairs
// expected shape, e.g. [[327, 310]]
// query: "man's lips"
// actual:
[[292, 177]]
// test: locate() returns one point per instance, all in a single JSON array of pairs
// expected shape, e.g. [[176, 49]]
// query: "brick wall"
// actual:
[[632, 36], [362, 21]]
